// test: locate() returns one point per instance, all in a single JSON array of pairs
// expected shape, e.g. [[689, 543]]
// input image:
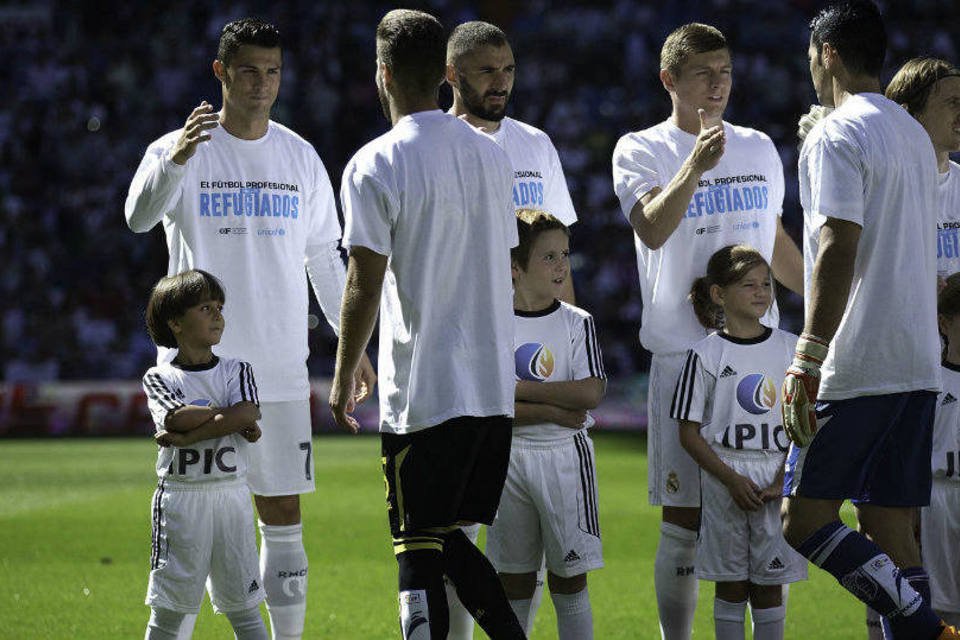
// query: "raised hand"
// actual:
[[200, 120], [709, 146]]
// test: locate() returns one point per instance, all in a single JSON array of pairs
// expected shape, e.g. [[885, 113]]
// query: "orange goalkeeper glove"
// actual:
[[800, 389]]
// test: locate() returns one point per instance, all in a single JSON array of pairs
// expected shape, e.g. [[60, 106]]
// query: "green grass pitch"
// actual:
[[75, 547]]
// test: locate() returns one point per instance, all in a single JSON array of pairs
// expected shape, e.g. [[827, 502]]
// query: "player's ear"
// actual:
[[829, 57], [219, 70], [667, 79], [451, 75], [174, 324], [716, 294]]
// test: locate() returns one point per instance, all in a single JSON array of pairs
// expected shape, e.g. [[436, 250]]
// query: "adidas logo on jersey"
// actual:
[[571, 556], [775, 565], [253, 587], [947, 399], [727, 371]]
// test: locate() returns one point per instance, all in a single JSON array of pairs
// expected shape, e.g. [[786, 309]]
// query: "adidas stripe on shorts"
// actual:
[[736, 545], [548, 508]]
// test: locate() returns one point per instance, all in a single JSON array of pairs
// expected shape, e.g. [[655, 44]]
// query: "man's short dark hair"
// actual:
[[855, 29], [916, 80], [412, 44], [172, 296], [470, 36], [246, 31]]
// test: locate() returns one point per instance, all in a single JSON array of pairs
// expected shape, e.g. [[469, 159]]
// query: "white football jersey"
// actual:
[[946, 426], [553, 345], [948, 222], [222, 383], [870, 163], [245, 210], [538, 180], [434, 195], [737, 202], [731, 386]]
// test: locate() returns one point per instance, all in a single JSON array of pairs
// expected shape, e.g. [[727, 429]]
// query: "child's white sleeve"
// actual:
[[161, 396], [586, 359], [241, 385], [690, 396]]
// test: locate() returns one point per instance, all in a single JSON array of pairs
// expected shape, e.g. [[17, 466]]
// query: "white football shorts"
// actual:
[[673, 477], [736, 545], [939, 525], [204, 534], [548, 509], [281, 462]]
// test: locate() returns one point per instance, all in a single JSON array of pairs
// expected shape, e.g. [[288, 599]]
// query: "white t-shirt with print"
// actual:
[[737, 202], [245, 211], [538, 180], [556, 344], [869, 162], [731, 386], [434, 195], [948, 222], [222, 383]]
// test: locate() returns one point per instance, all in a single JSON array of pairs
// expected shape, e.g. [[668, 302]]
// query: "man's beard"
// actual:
[[474, 102]]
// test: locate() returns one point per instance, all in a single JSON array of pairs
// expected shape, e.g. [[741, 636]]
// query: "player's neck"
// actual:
[[530, 302], [243, 125], [943, 161], [848, 87], [743, 328], [401, 106], [487, 126], [690, 122], [952, 356], [193, 354]]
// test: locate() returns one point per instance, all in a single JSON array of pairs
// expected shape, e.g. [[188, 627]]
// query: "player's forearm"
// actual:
[[527, 413], [153, 192], [187, 418], [569, 394], [832, 277], [213, 429], [787, 261], [656, 216], [701, 451], [358, 313], [328, 277]]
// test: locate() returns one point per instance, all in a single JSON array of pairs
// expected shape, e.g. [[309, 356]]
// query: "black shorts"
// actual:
[[447, 474]]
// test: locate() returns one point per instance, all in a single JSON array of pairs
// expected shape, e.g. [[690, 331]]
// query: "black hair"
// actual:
[[172, 296], [251, 31], [413, 45], [855, 29]]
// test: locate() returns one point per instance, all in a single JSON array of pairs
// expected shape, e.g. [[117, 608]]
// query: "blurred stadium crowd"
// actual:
[[88, 85]]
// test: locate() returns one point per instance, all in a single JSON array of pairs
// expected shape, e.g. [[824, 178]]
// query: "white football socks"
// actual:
[[768, 623], [522, 610], [574, 615], [283, 567], [164, 624], [247, 624], [728, 619], [461, 622], [537, 597], [675, 581]]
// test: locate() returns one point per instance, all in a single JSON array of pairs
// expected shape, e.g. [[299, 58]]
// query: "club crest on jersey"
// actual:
[[533, 361], [756, 393]]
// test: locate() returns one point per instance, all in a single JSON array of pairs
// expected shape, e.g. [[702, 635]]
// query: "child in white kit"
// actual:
[[727, 401], [941, 520], [549, 503], [205, 409]]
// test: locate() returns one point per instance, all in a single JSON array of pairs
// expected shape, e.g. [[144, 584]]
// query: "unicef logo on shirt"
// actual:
[[533, 362], [756, 393]]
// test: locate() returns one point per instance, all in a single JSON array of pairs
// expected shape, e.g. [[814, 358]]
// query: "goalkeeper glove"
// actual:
[[809, 119], [800, 389]]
